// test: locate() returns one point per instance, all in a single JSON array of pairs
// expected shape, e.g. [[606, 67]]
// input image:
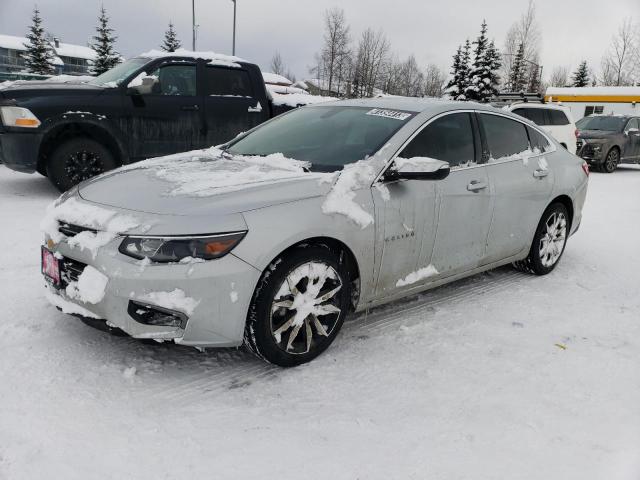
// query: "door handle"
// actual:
[[476, 185], [191, 108], [256, 109], [540, 173]]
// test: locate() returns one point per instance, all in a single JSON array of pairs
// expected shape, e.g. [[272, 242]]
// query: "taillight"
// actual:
[[577, 133], [585, 168]]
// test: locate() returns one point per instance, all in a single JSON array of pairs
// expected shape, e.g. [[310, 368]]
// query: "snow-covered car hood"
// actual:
[[205, 183]]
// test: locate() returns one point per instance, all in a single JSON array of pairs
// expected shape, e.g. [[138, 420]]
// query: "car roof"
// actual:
[[413, 104]]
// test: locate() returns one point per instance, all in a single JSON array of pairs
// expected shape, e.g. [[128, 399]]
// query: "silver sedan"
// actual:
[[272, 239]]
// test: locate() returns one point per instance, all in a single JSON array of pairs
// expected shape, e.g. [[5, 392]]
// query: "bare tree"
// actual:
[[277, 64], [559, 77], [336, 47], [619, 63], [434, 81], [373, 53], [524, 32]]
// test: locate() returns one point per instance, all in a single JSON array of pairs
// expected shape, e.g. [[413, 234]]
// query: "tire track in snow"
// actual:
[[237, 369]]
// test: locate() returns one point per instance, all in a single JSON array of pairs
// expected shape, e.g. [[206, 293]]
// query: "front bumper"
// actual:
[[223, 289], [19, 151], [587, 152]]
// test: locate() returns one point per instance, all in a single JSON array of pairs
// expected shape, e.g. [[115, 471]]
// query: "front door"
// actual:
[[632, 145], [168, 118], [230, 103]]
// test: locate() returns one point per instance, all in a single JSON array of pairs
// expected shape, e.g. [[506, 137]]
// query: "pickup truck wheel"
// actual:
[[298, 307], [77, 160]]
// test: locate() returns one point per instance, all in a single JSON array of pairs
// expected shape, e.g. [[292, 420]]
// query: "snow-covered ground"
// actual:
[[501, 376]]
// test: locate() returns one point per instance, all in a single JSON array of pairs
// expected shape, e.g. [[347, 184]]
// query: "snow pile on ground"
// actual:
[[212, 57], [75, 212], [212, 171], [417, 276], [340, 199], [90, 287], [174, 300], [275, 79], [298, 99]]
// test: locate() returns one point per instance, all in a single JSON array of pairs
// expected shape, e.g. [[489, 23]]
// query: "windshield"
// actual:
[[115, 76], [329, 137], [605, 123]]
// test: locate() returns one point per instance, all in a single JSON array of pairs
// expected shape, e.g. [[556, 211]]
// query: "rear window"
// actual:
[[558, 117], [505, 137], [536, 115], [228, 82]]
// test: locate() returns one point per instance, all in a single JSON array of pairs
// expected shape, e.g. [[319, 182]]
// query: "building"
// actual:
[[585, 101], [68, 59]]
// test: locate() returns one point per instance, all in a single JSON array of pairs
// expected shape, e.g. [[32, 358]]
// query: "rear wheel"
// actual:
[[77, 160], [611, 161], [548, 243], [298, 307]]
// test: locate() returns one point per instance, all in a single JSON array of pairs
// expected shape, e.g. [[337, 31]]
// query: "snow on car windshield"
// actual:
[[329, 137]]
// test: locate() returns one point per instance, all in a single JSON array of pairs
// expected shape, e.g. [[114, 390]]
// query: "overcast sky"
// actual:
[[572, 30]]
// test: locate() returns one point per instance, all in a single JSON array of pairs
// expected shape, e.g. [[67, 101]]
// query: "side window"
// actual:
[[505, 137], [633, 123], [175, 80], [228, 82], [538, 141], [536, 115], [449, 138], [558, 117]]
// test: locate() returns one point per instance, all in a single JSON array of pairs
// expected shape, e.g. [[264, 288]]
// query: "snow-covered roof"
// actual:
[[593, 91], [284, 90], [75, 51], [212, 57], [12, 42], [275, 79]]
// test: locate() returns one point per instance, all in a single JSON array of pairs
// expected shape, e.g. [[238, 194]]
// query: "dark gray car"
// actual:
[[605, 141]]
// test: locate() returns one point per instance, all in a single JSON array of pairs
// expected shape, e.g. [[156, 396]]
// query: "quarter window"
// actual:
[[449, 138], [228, 82], [505, 137]]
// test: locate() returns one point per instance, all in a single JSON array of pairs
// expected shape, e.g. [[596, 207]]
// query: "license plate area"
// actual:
[[51, 268]]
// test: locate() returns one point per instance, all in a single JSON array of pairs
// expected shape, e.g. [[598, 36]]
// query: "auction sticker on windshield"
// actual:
[[380, 112]]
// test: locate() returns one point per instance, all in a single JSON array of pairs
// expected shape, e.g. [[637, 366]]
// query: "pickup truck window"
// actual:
[[115, 76], [327, 137], [228, 82], [175, 80]]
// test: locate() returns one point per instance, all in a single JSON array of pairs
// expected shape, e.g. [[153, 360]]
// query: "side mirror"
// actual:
[[633, 131], [142, 85], [418, 168]]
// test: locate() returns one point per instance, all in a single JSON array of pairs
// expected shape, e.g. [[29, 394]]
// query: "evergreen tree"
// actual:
[[451, 89], [106, 55], [478, 71], [534, 79], [39, 56], [516, 76], [459, 82], [581, 75], [465, 70], [171, 42], [494, 63]]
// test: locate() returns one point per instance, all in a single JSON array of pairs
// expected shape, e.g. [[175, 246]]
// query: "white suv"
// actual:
[[552, 118]]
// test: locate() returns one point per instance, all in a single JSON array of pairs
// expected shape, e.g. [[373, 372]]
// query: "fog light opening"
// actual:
[[155, 316]]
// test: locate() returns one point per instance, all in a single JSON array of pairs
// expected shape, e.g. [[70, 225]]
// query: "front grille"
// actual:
[[70, 270], [70, 230]]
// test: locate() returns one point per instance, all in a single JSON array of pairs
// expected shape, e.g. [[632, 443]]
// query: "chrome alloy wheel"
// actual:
[[552, 242], [306, 307]]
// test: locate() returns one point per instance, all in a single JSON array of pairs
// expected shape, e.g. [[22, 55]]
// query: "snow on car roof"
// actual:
[[212, 57]]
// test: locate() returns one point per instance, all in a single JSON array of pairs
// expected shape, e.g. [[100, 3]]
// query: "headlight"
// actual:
[[174, 249], [18, 117]]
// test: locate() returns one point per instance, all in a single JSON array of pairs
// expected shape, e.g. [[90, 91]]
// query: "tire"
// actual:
[[76, 160], [542, 258], [283, 335], [611, 161]]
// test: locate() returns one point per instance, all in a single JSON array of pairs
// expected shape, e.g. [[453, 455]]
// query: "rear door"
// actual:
[[521, 180], [231, 103], [168, 118]]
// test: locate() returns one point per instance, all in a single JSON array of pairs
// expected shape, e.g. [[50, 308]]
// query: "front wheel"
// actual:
[[548, 243], [611, 161], [299, 306], [77, 160]]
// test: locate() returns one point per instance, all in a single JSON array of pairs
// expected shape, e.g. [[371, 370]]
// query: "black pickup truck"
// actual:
[[155, 104]]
